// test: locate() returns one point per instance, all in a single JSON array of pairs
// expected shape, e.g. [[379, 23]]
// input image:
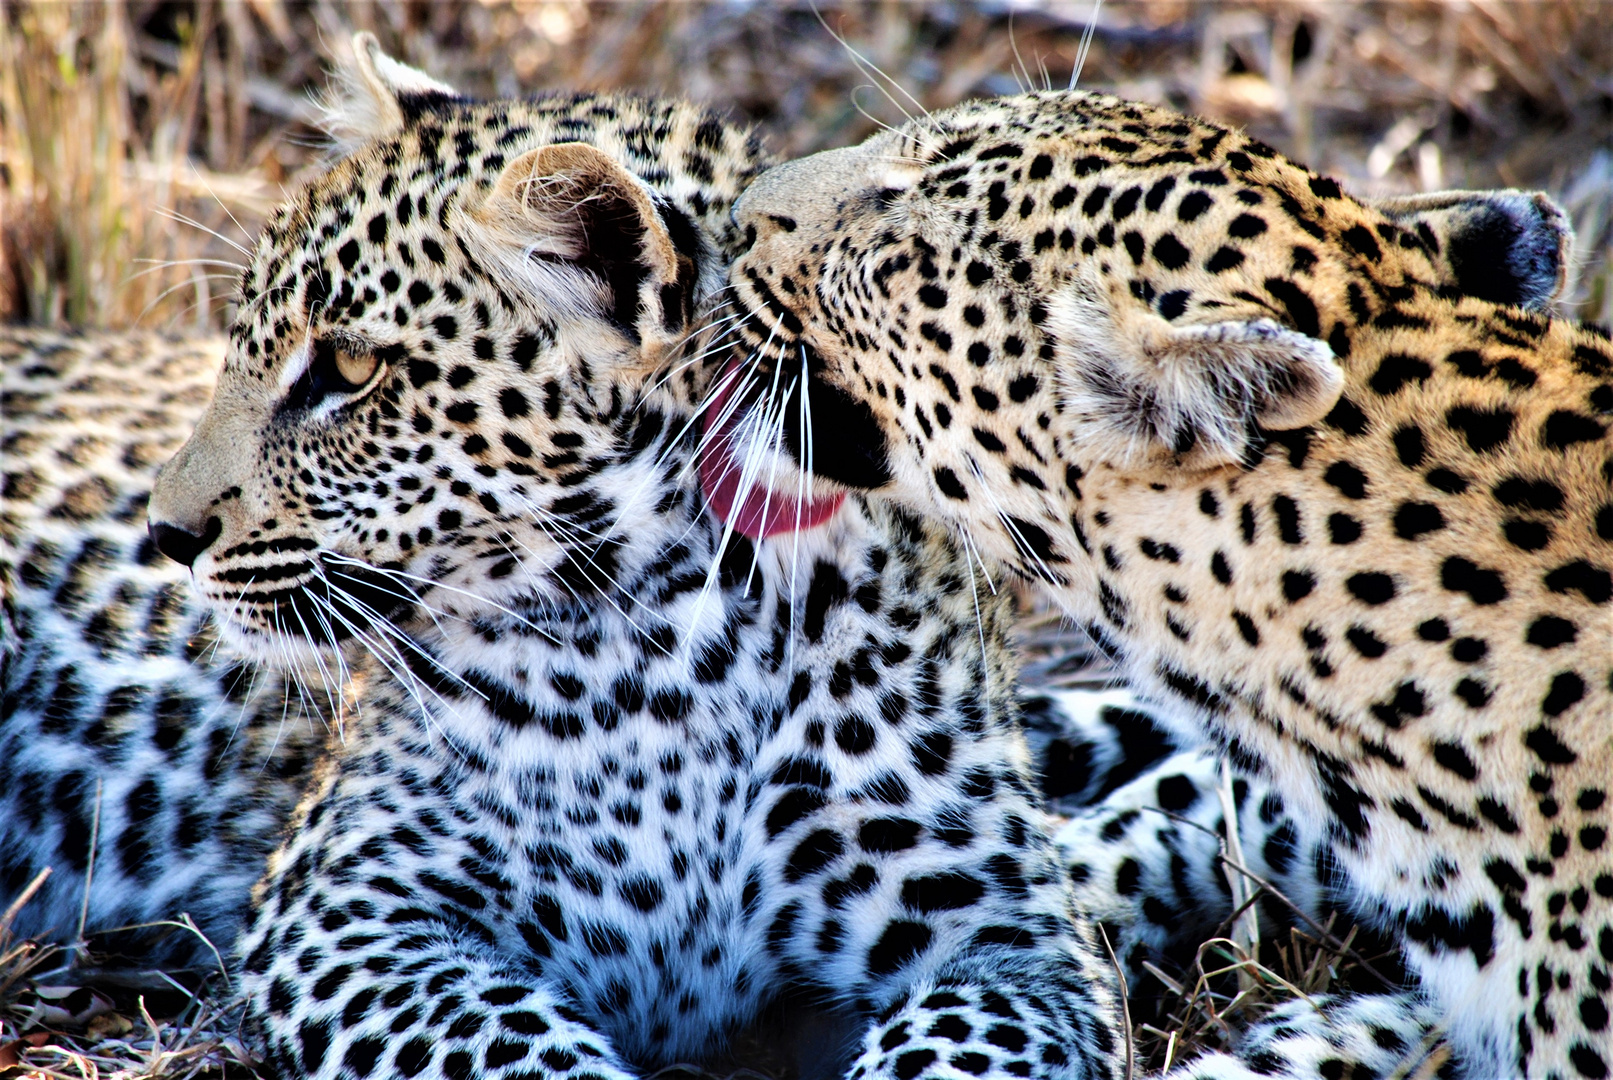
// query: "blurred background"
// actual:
[[139, 141]]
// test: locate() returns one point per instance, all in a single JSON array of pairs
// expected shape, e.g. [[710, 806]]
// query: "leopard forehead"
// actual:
[[1110, 341], [1193, 219], [929, 269], [1154, 287], [426, 379], [382, 235]]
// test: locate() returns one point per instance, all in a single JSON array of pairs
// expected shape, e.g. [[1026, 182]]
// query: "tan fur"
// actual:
[[1397, 602]]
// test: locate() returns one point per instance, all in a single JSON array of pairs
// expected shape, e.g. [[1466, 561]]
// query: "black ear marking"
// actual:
[[611, 245], [678, 296], [572, 206], [416, 105], [1500, 257], [1508, 247]]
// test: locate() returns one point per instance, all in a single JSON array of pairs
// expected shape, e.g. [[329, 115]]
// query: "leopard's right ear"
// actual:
[[1505, 246], [1139, 391], [370, 94], [585, 233]]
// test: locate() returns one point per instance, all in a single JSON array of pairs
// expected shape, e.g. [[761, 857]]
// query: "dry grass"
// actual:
[[64, 1016], [116, 119], [1235, 979], [141, 141]]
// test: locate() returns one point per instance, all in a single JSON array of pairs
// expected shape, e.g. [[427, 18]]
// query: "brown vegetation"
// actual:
[[129, 130]]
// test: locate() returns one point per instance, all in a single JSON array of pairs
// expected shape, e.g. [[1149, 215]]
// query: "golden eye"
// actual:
[[333, 370], [355, 368]]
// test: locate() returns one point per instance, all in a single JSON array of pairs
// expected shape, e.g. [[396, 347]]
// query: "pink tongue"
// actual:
[[761, 512]]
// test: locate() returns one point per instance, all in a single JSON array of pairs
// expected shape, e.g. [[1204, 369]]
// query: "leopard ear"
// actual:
[[1510, 247], [579, 226], [1138, 390], [372, 95]]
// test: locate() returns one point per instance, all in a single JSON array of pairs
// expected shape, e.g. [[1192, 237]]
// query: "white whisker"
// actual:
[[768, 443], [384, 634], [188, 283], [319, 659], [803, 477], [1086, 43], [607, 594], [866, 115], [402, 575], [872, 70], [1020, 542], [974, 594], [1021, 84], [746, 484], [333, 694], [732, 402], [718, 328], [383, 626], [152, 266], [281, 641], [222, 205], [183, 219], [393, 663]]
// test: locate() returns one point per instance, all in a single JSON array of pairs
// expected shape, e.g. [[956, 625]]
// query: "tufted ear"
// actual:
[[591, 233], [373, 93], [1137, 389], [1510, 247]]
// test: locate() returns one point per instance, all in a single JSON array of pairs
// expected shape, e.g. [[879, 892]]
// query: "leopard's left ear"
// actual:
[[371, 94], [1137, 390], [582, 230], [1505, 246]]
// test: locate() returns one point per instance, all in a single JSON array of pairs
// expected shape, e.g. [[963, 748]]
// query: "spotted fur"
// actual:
[[121, 724], [95, 610], [611, 779], [1145, 842], [1309, 491]]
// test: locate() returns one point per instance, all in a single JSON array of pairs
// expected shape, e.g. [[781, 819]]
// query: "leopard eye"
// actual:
[[336, 369], [356, 368]]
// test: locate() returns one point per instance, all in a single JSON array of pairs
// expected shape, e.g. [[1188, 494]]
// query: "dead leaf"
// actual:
[[11, 1052], [69, 1006]]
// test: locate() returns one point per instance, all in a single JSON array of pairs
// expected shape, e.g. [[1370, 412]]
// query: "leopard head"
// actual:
[[438, 392], [946, 309]]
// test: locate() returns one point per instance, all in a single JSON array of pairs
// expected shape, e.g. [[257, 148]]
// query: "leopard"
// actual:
[[89, 419], [1327, 487], [608, 778], [110, 658], [93, 609], [133, 397], [155, 768]]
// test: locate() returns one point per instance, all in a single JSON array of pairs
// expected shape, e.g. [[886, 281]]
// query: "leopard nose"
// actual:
[[181, 545]]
